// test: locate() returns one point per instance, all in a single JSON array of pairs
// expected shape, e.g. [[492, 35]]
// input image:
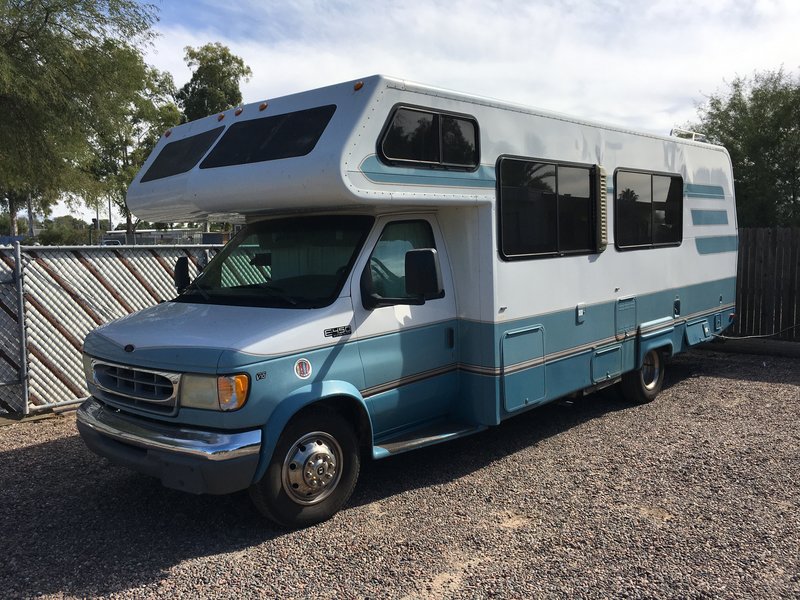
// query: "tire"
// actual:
[[643, 385], [313, 470]]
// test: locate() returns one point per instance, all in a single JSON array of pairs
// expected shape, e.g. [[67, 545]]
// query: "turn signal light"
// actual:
[[232, 391]]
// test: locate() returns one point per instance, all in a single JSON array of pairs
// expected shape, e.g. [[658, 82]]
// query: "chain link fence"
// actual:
[[51, 297]]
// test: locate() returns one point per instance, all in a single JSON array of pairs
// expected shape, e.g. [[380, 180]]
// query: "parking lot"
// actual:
[[693, 495]]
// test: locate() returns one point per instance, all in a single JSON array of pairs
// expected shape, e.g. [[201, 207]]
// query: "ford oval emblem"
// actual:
[[302, 368], [130, 348]]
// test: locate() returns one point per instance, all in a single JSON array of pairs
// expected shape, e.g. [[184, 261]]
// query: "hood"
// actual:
[[185, 336]]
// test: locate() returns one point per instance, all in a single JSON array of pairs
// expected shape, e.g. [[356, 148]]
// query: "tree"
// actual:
[[6, 227], [758, 120], [214, 85], [65, 231], [63, 77], [121, 148]]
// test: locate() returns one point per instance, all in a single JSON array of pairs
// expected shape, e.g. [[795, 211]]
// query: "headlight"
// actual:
[[226, 392]]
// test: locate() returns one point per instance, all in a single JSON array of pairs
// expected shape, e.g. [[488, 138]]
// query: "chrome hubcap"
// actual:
[[651, 369], [312, 468]]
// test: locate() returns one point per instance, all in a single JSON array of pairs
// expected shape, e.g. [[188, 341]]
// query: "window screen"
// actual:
[[546, 209], [648, 209], [270, 138], [435, 139], [181, 155]]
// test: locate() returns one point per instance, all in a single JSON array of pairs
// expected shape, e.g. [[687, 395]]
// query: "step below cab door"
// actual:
[[408, 351]]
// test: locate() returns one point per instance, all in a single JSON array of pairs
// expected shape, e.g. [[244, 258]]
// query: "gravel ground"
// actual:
[[694, 495]]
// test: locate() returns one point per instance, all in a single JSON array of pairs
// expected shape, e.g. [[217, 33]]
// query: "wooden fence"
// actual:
[[768, 283]]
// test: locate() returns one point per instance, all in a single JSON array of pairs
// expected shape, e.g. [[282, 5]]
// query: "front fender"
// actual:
[[291, 405]]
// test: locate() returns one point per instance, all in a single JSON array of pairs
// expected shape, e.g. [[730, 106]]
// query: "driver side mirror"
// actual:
[[181, 277], [423, 281], [423, 274]]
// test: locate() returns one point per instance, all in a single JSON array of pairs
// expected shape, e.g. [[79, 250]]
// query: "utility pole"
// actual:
[[30, 215]]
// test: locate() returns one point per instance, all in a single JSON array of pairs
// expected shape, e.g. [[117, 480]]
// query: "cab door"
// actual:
[[408, 351]]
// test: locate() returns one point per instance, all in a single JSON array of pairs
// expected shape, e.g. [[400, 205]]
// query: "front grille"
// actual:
[[152, 391]]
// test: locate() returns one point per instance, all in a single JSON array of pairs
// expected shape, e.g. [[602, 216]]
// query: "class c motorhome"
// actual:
[[417, 265]]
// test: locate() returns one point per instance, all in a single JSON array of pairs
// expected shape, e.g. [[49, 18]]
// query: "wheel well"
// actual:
[[665, 349], [354, 413]]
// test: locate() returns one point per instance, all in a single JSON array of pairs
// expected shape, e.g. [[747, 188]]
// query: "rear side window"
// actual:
[[546, 209], [181, 155], [430, 138], [270, 138], [648, 209]]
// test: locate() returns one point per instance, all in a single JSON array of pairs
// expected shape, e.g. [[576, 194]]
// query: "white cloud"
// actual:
[[641, 64]]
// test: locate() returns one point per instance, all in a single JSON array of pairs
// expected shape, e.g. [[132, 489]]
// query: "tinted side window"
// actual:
[[181, 155], [648, 209], [270, 138], [575, 212], [667, 210], [634, 209], [413, 135], [459, 142], [546, 209], [420, 136]]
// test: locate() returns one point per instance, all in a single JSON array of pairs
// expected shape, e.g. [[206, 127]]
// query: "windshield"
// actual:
[[298, 262]]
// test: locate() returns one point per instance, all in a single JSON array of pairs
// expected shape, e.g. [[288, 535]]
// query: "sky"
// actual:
[[643, 64]]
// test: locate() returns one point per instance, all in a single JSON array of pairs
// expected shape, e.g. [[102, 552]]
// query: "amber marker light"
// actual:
[[220, 116], [232, 391], [358, 85], [263, 106], [238, 111]]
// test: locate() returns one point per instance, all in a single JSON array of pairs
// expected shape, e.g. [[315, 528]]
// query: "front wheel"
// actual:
[[313, 470], [642, 385]]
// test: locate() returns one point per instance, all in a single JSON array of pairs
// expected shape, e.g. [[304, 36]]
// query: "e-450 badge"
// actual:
[[338, 331]]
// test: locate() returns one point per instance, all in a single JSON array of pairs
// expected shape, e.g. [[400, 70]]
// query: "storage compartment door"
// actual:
[[522, 355]]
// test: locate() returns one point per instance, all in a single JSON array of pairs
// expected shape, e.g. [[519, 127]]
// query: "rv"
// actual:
[[417, 265]]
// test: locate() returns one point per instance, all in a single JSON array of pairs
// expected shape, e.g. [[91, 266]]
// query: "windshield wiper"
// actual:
[[278, 293], [206, 296]]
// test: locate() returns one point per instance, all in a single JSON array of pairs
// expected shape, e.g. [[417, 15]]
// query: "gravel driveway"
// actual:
[[694, 495]]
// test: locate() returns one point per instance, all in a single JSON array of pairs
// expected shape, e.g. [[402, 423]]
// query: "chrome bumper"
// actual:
[[170, 438], [194, 460]]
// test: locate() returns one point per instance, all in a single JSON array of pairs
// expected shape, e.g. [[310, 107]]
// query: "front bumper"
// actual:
[[193, 460]]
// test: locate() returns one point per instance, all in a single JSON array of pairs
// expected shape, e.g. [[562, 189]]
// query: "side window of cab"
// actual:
[[385, 275]]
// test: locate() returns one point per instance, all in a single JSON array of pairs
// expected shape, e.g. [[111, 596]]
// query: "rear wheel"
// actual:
[[313, 470], [642, 386]]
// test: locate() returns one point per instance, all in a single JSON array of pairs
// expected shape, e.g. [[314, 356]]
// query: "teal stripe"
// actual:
[[376, 171], [717, 244], [709, 217], [562, 332], [695, 190]]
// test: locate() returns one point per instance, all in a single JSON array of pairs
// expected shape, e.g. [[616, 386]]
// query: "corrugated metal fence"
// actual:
[[768, 283], [51, 297]]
